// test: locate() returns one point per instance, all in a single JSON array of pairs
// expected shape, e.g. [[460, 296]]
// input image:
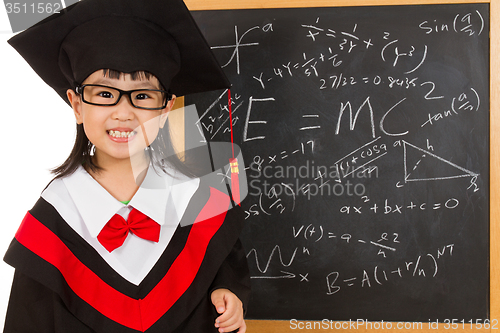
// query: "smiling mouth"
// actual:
[[118, 134]]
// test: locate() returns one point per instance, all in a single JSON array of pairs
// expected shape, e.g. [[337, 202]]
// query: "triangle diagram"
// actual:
[[422, 165]]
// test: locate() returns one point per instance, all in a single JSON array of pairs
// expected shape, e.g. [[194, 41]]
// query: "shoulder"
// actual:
[[58, 188], [55, 188]]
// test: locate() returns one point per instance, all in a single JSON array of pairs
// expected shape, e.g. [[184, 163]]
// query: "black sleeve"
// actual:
[[234, 275], [30, 308], [34, 308]]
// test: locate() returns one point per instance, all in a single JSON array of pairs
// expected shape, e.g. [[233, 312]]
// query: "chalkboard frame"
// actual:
[[284, 326]]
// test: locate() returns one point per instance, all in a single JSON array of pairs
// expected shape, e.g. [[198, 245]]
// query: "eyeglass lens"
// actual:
[[100, 95]]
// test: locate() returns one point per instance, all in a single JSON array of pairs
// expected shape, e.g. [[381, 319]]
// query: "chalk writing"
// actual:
[[424, 266], [365, 138]]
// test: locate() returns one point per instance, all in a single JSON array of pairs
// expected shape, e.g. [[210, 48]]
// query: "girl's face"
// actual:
[[121, 131]]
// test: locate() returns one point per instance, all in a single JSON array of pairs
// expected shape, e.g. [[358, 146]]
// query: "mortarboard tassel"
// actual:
[[233, 162]]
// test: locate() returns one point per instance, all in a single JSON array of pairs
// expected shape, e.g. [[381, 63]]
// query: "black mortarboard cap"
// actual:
[[157, 36]]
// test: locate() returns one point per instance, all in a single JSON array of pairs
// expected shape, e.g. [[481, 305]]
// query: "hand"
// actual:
[[230, 308]]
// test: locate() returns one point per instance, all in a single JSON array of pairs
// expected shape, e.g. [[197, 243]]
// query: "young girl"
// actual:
[[127, 237]]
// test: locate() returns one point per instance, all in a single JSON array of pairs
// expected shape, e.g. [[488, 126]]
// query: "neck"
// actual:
[[121, 178]]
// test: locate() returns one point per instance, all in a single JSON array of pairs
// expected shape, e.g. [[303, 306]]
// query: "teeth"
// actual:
[[118, 134]]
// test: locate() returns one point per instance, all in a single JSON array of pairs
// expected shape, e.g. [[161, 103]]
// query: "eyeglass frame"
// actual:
[[168, 96]]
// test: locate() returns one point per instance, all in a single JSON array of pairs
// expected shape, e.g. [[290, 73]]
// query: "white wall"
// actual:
[[37, 134]]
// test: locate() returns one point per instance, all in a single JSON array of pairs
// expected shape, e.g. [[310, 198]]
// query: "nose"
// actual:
[[124, 110]]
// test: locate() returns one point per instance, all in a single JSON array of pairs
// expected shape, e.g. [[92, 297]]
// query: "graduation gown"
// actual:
[[61, 284]]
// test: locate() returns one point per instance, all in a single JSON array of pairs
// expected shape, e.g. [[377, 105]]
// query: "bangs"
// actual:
[[136, 76]]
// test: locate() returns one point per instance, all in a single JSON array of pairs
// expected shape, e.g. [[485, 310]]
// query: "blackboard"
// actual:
[[366, 145]]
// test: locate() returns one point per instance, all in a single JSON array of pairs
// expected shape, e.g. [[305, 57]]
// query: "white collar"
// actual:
[[157, 196]]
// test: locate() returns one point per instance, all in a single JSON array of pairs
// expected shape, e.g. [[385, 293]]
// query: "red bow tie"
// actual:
[[116, 230]]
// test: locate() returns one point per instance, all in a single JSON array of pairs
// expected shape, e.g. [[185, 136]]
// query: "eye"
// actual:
[[142, 95], [105, 94]]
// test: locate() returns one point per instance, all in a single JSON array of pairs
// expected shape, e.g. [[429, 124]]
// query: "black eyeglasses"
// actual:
[[148, 99]]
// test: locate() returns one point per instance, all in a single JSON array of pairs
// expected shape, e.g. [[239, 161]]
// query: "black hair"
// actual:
[[137, 75], [161, 151]]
